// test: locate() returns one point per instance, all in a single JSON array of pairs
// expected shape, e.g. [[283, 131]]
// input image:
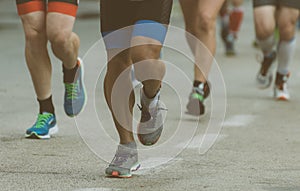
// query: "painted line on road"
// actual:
[[196, 141], [98, 189], [239, 121]]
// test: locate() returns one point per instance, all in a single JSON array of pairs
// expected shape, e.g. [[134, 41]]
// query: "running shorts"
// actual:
[[123, 19], [285, 3], [67, 7]]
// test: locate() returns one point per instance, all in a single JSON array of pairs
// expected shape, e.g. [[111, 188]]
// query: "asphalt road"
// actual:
[[258, 148]]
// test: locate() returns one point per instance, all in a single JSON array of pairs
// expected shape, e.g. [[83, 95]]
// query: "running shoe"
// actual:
[[44, 127], [229, 45], [124, 163], [265, 75], [228, 40], [195, 105], [75, 94], [280, 89], [151, 122]]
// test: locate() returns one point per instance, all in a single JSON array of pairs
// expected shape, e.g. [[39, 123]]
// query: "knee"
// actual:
[[58, 38], [140, 53], [286, 30], [207, 22], [264, 29], [35, 37], [149, 70]]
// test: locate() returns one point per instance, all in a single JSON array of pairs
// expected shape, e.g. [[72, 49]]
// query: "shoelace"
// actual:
[[42, 119], [71, 90]]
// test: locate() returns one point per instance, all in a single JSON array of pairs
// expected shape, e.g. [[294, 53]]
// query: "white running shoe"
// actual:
[[280, 89]]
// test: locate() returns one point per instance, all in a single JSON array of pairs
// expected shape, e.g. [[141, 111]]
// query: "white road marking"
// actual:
[[98, 189], [238, 121], [196, 141]]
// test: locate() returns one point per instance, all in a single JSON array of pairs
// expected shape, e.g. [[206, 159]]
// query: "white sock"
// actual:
[[286, 50], [267, 44]]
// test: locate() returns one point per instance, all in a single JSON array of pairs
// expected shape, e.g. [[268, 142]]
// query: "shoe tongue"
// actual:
[[200, 88]]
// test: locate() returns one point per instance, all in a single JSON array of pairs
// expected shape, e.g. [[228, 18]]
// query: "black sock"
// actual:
[[46, 105], [70, 74]]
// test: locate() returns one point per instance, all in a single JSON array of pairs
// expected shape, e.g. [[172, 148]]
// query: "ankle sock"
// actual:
[[70, 74], [46, 105]]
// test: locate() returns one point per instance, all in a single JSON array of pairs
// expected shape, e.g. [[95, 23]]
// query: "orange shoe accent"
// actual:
[[282, 98], [31, 6], [63, 8], [115, 173]]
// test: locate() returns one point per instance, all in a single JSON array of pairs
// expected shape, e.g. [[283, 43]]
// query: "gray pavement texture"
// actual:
[[258, 148]]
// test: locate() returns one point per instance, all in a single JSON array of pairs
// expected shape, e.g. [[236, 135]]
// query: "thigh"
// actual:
[[57, 23], [286, 21], [61, 17], [264, 20], [210, 8], [189, 10], [237, 3], [29, 6], [34, 23]]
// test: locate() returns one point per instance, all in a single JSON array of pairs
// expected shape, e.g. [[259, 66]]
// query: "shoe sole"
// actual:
[[191, 108], [34, 135], [282, 98], [116, 174], [262, 86], [152, 142]]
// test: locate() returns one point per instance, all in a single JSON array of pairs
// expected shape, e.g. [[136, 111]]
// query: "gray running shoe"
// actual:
[[75, 94], [124, 163], [265, 75], [151, 123], [197, 97], [229, 45]]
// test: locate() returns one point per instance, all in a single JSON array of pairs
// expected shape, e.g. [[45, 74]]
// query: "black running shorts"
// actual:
[[145, 17], [285, 3]]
